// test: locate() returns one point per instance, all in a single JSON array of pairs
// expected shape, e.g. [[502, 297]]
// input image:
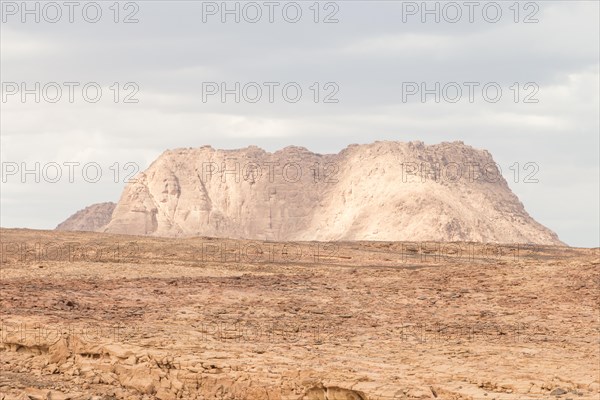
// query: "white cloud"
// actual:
[[369, 53], [18, 46]]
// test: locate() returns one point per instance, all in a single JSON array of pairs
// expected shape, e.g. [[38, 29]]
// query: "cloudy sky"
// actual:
[[161, 67]]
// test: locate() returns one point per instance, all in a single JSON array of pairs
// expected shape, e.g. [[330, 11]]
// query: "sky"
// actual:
[[93, 92]]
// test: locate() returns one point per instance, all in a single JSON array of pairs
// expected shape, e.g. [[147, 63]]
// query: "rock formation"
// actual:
[[381, 191], [368, 321], [92, 218]]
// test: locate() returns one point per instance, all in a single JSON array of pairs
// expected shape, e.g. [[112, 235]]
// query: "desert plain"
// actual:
[[104, 316]]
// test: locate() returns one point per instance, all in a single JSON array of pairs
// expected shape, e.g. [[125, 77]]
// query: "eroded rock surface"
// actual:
[[380, 191], [122, 317], [93, 218]]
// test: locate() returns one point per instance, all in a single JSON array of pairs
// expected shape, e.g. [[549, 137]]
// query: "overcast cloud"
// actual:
[[369, 55]]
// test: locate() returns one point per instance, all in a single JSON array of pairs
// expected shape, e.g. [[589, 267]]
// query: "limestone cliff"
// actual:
[[379, 191]]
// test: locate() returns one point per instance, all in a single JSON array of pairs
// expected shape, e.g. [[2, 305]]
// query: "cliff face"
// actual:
[[380, 191], [92, 218]]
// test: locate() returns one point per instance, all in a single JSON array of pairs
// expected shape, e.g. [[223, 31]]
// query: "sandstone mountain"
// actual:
[[389, 191], [92, 218]]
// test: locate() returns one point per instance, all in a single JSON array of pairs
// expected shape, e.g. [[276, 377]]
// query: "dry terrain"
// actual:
[[103, 316]]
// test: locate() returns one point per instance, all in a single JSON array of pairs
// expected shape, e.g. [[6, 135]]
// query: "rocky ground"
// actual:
[[97, 316]]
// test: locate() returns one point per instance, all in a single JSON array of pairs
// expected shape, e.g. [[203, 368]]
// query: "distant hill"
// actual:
[[92, 218], [380, 191]]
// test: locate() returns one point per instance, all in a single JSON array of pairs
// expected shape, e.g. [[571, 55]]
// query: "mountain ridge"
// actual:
[[386, 190]]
